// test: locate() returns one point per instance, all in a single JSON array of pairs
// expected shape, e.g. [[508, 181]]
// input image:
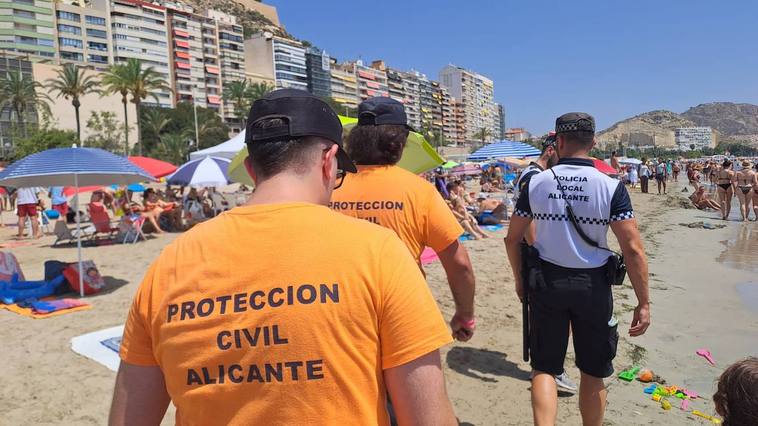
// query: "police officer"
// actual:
[[574, 289]]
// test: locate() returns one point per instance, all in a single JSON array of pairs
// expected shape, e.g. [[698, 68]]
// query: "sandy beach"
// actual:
[[700, 291]]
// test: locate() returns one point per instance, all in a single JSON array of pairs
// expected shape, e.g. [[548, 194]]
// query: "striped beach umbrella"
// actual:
[[504, 149], [208, 171]]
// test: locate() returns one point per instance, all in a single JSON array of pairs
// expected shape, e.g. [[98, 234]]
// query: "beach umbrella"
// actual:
[[418, 156], [604, 167], [504, 149], [449, 165], [156, 168], [627, 160], [75, 167], [226, 149], [208, 171]]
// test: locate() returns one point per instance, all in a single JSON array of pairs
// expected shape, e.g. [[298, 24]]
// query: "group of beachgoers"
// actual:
[[730, 177]]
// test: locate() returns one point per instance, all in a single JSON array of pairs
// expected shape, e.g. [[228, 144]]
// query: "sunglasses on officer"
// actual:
[[340, 177]]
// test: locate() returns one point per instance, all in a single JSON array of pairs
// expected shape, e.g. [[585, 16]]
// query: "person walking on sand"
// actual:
[[27, 202], [725, 188], [661, 175], [744, 181], [284, 311], [632, 175], [571, 287], [644, 175], [383, 193]]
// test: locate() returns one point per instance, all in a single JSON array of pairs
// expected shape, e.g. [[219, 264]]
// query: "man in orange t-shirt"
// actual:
[[387, 195], [282, 311]]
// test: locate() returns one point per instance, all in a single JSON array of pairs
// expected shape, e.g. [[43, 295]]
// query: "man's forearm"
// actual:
[[460, 278], [636, 265]]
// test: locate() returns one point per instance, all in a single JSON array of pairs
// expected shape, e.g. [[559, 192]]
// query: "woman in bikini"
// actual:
[[744, 180], [755, 194], [725, 188]]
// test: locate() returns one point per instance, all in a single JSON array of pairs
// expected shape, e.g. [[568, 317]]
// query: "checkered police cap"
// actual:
[[575, 122]]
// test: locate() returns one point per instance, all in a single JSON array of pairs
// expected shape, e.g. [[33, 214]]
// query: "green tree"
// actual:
[[182, 121], [241, 94], [21, 93], [482, 134], [105, 131], [116, 80], [154, 122], [173, 148], [143, 82], [42, 139], [72, 83]]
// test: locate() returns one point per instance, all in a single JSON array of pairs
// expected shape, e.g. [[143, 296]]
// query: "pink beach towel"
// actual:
[[428, 256]]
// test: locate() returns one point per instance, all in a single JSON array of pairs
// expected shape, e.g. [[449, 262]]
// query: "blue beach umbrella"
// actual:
[[504, 149], [73, 167], [207, 171]]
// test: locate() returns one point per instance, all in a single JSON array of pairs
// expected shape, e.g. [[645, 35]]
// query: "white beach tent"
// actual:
[[226, 149]]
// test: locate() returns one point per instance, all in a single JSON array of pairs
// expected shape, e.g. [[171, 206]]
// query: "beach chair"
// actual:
[[63, 233], [132, 229], [101, 221]]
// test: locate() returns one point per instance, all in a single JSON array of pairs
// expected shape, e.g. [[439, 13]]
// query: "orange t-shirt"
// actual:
[[399, 200], [283, 313]]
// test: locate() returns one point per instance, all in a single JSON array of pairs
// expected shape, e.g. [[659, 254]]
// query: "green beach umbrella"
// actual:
[[418, 156], [450, 164]]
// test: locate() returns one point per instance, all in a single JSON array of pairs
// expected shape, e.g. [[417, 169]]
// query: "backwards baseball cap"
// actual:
[[575, 122], [549, 141], [302, 114], [382, 110]]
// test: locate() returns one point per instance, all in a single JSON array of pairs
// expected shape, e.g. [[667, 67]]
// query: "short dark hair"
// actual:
[[735, 398], [726, 163], [273, 157], [579, 138], [377, 145]]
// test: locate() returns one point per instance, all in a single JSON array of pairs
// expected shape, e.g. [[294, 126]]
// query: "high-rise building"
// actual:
[[231, 58], [477, 94], [371, 81], [139, 31], [344, 85], [395, 85], [318, 65], [449, 129], [83, 35], [459, 114], [691, 138], [26, 27], [411, 100], [501, 122], [265, 52]]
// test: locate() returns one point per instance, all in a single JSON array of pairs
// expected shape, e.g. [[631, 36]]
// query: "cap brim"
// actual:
[[344, 162]]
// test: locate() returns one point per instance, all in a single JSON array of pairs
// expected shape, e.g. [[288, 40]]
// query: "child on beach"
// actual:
[[736, 398]]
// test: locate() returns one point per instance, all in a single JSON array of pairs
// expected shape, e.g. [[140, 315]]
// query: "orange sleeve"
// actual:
[[442, 228], [137, 341], [410, 323]]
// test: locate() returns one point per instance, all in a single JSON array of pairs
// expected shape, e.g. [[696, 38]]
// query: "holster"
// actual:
[[616, 269], [531, 268]]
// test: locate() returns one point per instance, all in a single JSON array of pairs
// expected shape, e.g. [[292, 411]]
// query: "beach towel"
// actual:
[[428, 256], [101, 346], [492, 227], [9, 266], [71, 305], [49, 306]]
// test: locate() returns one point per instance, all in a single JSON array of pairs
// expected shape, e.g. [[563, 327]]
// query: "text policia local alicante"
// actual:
[[263, 335]]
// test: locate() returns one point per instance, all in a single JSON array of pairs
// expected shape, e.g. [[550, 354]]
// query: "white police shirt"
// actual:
[[596, 199], [523, 180]]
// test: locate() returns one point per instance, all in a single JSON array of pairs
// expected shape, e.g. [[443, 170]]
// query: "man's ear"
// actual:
[[250, 170]]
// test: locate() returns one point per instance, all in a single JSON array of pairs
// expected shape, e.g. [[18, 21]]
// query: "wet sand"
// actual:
[[696, 303]]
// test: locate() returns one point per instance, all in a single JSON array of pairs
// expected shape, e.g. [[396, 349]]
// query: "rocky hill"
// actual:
[[648, 129], [251, 20], [728, 118]]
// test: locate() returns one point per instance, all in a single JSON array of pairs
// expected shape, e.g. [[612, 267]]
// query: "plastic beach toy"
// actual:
[[665, 404], [629, 375], [650, 389], [705, 353], [713, 420]]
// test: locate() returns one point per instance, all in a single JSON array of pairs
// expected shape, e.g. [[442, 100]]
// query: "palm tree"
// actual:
[[116, 80], [156, 122], [203, 129], [483, 134], [73, 83], [143, 82], [258, 90], [173, 148], [19, 92], [237, 93]]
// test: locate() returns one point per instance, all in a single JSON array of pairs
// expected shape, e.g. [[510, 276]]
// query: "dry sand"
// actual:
[[694, 274]]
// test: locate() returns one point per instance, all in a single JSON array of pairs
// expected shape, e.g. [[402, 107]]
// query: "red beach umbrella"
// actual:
[[156, 168], [604, 167]]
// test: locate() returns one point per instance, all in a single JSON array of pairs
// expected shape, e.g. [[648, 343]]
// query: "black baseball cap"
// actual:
[[303, 114], [549, 141], [575, 122], [382, 110]]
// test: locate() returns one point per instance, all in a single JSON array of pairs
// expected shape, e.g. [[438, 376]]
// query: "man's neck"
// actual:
[[575, 154], [282, 189]]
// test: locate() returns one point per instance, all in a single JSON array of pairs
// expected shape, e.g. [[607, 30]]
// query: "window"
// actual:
[[68, 16], [71, 42], [98, 59], [97, 46], [45, 42], [71, 56], [24, 14], [230, 37], [69, 29], [96, 33], [94, 20]]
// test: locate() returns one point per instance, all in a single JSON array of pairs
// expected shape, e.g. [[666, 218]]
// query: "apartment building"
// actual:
[[26, 27], [83, 35], [411, 99], [265, 52], [691, 138], [501, 122], [459, 117], [344, 85], [230, 57], [318, 66], [477, 94], [449, 128], [371, 81]]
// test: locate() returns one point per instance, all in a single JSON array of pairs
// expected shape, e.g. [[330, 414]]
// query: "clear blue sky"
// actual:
[[611, 58]]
